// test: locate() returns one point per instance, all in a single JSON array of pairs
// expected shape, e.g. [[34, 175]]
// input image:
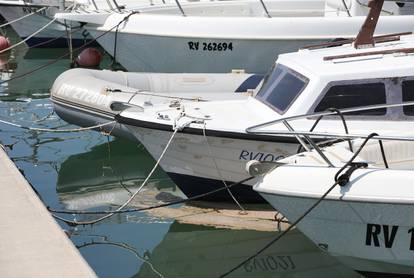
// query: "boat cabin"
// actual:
[[314, 80]]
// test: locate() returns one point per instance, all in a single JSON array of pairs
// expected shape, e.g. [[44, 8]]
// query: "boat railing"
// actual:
[[113, 5], [180, 7], [265, 9], [261, 2], [307, 138], [177, 2]]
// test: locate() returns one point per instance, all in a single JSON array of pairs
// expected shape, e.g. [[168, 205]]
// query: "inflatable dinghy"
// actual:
[[86, 97]]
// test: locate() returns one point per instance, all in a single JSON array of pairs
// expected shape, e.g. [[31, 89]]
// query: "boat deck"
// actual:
[[32, 244]]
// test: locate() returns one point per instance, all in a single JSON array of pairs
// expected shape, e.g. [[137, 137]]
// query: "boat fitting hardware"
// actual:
[[258, 168], [344, 178]]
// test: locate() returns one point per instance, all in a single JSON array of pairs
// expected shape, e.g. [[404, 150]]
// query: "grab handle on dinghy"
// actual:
[[119, 106]]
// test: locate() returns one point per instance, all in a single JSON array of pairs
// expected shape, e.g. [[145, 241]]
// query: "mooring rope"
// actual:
[[43, 118], [67, 53], [113, 62], [309, 210], [28, 37], [31, 35], [23, 17], [39, 129], [30, 8], [219, 172], [90, 222], [126, 247]]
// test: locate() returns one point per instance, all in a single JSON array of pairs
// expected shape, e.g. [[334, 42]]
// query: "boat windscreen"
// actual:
[[281, 87]]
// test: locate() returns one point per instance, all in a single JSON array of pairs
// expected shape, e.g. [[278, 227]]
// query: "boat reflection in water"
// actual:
[[108, 174], [198, 251], [20, 62]]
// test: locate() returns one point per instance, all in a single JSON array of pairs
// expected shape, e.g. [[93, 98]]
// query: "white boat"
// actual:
[[55, 33], [366, 220], [225, 35], [88, 97], [305, 81], [30, 17]]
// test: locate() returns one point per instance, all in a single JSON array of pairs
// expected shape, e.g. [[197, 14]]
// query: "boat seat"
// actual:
[[295, 13], [399, 154], [297, 8]]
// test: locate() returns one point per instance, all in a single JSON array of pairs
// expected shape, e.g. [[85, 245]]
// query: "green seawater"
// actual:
[[88, 170]]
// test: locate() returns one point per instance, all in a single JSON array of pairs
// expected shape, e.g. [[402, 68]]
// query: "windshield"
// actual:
[[281, 87]]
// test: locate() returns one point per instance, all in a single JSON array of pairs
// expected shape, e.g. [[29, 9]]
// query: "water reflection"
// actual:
[[142, 258], [107, 175], [8, 66], [37, 84], [197, 251], [39, 67]]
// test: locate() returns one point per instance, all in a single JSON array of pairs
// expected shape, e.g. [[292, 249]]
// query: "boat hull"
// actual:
[[87, 118], [198, 168], [216, 42], [149, 53], [372, 238], [54, 35]]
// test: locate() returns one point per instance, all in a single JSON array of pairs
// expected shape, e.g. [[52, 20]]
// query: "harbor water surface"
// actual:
[[94, 171]]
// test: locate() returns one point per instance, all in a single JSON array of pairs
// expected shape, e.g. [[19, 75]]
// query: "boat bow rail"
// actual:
[[307, 138]]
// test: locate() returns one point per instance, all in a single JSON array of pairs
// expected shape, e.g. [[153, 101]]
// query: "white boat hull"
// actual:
[[192, 167], [359, 234], [219, 36], [367, 223], [54, 35], [148, 53]]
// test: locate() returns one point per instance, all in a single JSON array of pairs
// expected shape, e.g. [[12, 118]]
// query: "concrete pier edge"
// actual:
[[32, 244]]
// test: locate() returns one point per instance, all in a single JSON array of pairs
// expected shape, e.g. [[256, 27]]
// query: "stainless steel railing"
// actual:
[[306, 138]]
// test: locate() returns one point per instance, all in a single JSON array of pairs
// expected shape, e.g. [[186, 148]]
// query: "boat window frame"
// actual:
[[285, 68], [391, 96], [402, 79]]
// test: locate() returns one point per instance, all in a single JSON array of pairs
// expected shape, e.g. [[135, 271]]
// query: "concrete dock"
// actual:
[[32, 244]]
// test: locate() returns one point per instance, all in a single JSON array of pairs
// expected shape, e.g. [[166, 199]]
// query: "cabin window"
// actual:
[[408, 95], [354, 95], [281, 87]]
